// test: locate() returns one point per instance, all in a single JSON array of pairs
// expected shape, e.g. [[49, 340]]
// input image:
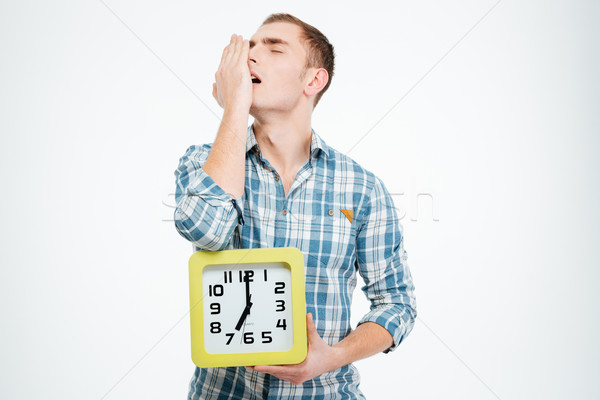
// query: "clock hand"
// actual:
[[245, 313], [247, 290]]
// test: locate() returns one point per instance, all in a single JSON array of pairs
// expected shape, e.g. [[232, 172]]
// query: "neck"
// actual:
[[285, 142]]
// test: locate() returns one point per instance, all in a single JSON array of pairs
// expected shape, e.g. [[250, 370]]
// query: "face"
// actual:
[[278, 57]]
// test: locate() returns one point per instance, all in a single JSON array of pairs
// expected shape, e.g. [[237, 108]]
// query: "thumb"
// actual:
[[311, 330]]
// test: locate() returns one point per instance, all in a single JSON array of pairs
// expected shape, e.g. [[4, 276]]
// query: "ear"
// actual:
[[316, 80]]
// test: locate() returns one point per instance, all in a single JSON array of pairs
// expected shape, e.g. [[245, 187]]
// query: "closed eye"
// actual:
[[275, 51]]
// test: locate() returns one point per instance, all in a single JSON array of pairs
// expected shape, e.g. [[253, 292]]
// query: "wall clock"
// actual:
[[247, 307]]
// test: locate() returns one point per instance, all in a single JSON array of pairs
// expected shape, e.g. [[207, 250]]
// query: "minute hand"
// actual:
[[248, 295]]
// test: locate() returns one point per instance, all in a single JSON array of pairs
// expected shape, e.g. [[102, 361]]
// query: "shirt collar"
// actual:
[[316, 144]]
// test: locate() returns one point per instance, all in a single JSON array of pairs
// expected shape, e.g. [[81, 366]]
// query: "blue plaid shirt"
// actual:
[[342, 219]]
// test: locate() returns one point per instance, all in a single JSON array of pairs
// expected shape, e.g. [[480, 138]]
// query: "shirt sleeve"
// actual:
[[381, 261], [205, 214]]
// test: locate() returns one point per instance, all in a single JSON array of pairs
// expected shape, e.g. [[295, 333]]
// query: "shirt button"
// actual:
[[330, 212], [276, 177], [284, 211]]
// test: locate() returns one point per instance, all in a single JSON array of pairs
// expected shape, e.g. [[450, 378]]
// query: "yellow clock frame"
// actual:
[[288, 255]]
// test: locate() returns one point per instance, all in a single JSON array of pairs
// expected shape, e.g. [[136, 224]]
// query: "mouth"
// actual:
[[255, 79]]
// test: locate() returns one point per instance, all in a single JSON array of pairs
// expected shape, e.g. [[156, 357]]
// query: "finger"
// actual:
[[243, 58], [311, 330], [234, 48], [227, 51], [246, 48], [243, 51], [239, 48], [272, 369]]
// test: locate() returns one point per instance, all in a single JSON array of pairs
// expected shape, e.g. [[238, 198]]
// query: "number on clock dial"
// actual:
[[215, 290], [246, 275], [248, 337], [280, 305], [230, 336], [215, 327], [215, 308], [279, 288], [282, 324]]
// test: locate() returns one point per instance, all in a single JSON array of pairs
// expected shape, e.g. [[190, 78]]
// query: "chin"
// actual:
[[254, 111], [277, 106], [256, 108]]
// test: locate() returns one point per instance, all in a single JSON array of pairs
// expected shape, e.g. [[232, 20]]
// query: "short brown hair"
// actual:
[[320, 52]]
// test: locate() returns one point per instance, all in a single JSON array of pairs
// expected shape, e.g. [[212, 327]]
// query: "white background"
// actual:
[[495, 118]]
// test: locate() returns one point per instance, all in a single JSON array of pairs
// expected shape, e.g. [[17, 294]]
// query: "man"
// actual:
[[277, 184]]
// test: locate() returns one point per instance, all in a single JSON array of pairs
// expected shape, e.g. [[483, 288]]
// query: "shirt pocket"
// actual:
[[339, 226]]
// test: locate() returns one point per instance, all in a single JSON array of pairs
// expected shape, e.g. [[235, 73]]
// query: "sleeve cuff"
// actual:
[[388, 317]]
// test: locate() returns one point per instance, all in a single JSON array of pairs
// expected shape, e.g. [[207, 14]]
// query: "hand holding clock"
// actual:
[[321, 358], [367, 339]]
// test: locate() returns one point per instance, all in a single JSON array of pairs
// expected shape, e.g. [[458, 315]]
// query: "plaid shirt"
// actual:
[[342, 219]]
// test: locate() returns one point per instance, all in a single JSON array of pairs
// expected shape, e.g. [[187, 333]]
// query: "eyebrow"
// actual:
[[269, 40]]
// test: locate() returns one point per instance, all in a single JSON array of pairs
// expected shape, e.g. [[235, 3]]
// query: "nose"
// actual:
[[252, 55]]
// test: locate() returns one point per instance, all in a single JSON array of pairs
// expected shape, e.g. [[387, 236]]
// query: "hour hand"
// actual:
[[244, 315]]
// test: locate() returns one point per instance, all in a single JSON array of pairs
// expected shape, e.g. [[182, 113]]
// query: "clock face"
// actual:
[[247, 308]]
